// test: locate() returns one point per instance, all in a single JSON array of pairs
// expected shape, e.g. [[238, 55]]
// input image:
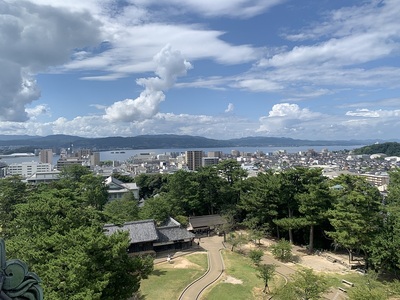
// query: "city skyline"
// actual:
[[223, 69]]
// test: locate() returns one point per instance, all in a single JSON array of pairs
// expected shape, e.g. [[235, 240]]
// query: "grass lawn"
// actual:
[[240, 268], [335, 280], [168, 280]]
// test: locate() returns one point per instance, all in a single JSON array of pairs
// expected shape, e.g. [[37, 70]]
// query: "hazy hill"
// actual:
[[161, 141], [5, 137]]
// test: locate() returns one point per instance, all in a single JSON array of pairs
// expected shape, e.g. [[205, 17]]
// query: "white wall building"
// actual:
[[27, 169], [117, 189]]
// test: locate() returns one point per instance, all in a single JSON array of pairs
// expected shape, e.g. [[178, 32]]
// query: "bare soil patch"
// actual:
[[181, 263], [233, 280], [319, 263]]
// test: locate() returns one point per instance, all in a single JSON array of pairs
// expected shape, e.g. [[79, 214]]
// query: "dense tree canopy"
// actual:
[[356, 214], [122, 210], [390, 149], [60, 236]]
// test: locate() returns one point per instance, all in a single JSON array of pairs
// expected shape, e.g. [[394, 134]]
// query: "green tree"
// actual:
[[314, 203], [305, 285], [260, 200], [383, 251], [256, 256], [266, 273], [369, 288], [282, 250], [356, 215], [12, 192], [257, 234], [233, 174], [293, 182], [236, 240], [231, 171], [209, 190], [93, 190], [63, 241], [182, 192], [157, 208], [123, 178], [151, 184], [122, 210], [73, 173]]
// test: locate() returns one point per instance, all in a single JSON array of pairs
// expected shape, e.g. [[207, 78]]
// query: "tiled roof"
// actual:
[[170, 234], [206, 221], [171, 230], [139, 231], [146, 231], [170, 222]]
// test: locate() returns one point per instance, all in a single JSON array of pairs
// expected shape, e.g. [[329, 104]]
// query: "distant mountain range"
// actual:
[[162, 141]]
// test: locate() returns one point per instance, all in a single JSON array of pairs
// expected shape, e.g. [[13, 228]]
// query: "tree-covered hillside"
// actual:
[[390, 149]]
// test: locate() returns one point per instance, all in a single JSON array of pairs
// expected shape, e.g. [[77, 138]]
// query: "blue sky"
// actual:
[[221, 69]]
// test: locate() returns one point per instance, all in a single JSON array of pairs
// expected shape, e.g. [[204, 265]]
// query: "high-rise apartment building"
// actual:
[[46, 156], [95, 159], [194, 159]]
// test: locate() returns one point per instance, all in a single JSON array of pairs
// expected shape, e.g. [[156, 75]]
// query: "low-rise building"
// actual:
[[117, 189], [146, 238], [27, 169], [40, 177]]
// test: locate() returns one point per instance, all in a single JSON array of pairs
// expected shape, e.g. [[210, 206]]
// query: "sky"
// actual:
[[303, 69]]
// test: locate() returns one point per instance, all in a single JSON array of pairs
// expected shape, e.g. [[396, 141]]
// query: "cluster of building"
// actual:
[[146, 236], [374, 167]]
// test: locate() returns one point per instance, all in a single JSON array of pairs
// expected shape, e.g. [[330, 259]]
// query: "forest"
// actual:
[[57, 228], [390, 149]]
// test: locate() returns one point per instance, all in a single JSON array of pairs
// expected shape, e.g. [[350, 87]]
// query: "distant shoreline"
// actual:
[[17, 155]]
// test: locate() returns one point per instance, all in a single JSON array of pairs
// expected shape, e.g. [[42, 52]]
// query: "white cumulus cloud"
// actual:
[[230, 108], [286, 118], [169, 65], [32, 39]]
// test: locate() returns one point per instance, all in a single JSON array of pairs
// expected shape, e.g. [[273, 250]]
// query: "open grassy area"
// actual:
[[240, 269], [335, 280], [168, 280]]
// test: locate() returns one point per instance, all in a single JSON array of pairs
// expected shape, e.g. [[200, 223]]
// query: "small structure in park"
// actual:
[[15, 280], [205, 224]]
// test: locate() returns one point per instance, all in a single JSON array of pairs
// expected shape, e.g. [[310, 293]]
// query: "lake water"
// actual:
[[116, 155]]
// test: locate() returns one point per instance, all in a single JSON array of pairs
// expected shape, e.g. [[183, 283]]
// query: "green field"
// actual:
[[168, 280], [242, 269]]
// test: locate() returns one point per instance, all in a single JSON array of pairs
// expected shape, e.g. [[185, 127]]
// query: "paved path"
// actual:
[[213, 245]]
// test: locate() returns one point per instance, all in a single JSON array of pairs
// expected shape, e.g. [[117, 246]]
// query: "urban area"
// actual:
[[373, 167]]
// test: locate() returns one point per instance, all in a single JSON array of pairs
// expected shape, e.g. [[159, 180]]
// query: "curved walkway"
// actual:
[[213, 245]]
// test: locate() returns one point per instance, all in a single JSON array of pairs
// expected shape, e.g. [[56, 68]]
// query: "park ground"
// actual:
[[239, 281]]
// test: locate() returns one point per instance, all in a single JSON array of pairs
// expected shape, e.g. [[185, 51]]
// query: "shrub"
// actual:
[[282, 250], [255, 256]]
